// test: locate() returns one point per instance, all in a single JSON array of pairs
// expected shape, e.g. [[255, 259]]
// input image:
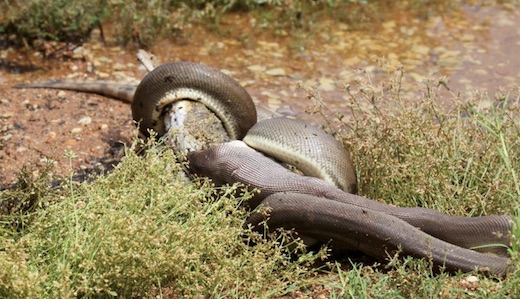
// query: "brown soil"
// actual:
[[38, 126]]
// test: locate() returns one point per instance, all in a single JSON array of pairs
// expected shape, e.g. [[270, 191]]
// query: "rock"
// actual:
[[86, 120], [75, 131], [276, 72], [326, 84], [70, 142], [6, 137], [256, 68], [21, 149], [472, 278]]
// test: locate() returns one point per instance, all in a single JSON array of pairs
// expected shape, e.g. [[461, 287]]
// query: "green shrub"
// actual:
[[145, 22], [69, 20], [137, 230]]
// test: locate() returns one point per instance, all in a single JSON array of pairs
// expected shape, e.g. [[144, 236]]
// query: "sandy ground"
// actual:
[[39, 126]]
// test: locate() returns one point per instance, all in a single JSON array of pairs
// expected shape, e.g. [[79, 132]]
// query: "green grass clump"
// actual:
[[51, 20], [462, 160], [145, 22], [139, 229]]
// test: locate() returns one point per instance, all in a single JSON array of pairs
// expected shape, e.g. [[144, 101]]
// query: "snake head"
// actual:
[[226, 164], [217, 163], [200, 161]]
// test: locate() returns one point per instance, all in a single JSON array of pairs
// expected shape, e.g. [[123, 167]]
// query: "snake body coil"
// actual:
[[377, 234], [306, 147], [314, 206], [177, 81], [235, 162]]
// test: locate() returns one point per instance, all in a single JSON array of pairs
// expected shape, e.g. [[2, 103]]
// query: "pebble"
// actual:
[[467, 38], [103, 75], [51, 136], [351, 61], [417, 77], [326, 84], [256, 68], [481, 72], [504, 22], [70, 142], [75, 131], [390, 25], [119, 66], [47, 160], [485, 104], [6, 137], [270, 95], [421, 49], [86, 120], [276, 72]]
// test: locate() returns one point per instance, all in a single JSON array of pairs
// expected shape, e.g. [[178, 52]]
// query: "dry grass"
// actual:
[[25, 23], [135, 230], [141, 231]]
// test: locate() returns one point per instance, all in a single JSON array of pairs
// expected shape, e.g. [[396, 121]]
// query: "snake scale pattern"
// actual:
[[320, 205]]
